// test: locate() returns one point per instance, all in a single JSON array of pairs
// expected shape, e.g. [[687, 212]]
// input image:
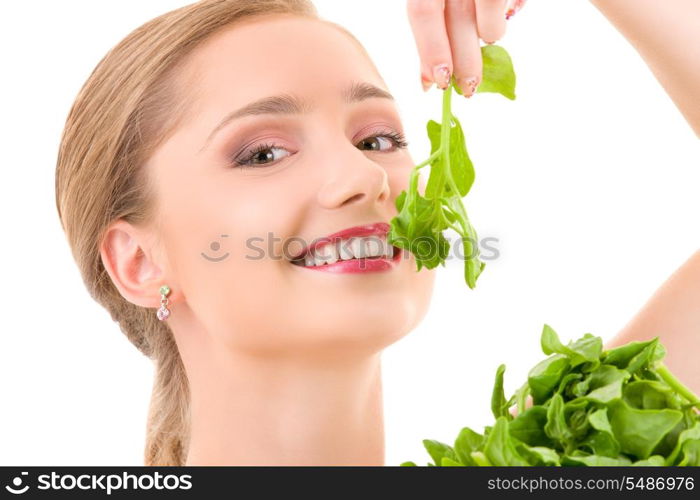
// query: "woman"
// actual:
[[173, 172], [185, 199]]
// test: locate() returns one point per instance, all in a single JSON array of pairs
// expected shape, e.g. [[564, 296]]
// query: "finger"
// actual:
[[491, 19], [460, 19], [427, 20]]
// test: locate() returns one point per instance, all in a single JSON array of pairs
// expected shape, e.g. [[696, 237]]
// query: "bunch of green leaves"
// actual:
[[422, 218], [589, 408]]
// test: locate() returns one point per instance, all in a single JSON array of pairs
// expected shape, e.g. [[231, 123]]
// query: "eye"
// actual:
[[397, 139], [258, 156], [262, 155]]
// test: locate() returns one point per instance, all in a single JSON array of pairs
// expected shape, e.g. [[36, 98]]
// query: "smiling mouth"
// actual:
[[356, 248]]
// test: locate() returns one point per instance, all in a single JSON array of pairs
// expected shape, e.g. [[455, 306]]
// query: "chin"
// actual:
[[371, 327]]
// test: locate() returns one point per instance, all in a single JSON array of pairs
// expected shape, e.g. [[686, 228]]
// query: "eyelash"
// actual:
[[397, 138]]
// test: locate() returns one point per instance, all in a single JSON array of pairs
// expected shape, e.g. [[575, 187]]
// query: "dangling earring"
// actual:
[[163, 312]]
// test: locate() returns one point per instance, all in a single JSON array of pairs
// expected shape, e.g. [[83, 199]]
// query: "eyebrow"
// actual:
[[287, 104]]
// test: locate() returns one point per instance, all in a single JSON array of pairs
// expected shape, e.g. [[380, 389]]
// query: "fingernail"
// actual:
[[441, 75], [517, 5], [426, 83], [469, 85]]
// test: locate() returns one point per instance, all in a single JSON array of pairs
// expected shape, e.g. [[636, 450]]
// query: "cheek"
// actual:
[[218, 245], [399, 177], [241, 298]]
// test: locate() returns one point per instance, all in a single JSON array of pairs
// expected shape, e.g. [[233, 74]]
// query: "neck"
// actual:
[[319, 410]]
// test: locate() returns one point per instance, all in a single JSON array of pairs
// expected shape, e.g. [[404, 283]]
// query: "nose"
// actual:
[[353, 178]]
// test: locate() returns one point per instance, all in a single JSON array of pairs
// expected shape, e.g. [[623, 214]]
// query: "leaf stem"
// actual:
[[432, 158], [446, 135], [413, 182], [676, 384], [456, 229]]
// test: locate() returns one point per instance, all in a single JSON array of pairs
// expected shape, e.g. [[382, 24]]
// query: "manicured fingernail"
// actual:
[[517, 5], [468, 85], [426, 83], [441, 75]]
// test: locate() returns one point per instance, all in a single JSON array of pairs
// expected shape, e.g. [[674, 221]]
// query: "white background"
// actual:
[[589, 180]]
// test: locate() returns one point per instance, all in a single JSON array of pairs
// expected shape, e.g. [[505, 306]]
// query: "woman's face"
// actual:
[[228, 231]]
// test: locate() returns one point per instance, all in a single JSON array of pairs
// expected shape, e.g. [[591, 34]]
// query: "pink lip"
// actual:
[[379, 228], [367, 264]]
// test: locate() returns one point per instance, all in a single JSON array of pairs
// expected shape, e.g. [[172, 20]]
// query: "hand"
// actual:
[[447, 34]]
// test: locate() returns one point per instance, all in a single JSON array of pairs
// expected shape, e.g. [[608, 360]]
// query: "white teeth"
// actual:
[[358, 249], [353, 248], [373, 247], [344, 250], [327, 254]]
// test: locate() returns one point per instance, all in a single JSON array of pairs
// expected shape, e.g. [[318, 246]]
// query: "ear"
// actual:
[[127, 254]]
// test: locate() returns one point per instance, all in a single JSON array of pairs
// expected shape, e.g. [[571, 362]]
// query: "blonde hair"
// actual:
[[127, 107]]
